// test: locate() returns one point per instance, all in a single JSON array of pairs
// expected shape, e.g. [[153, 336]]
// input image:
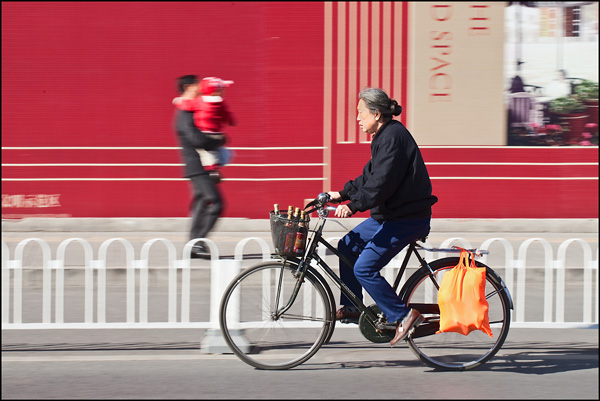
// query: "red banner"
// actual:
[[87, 114]]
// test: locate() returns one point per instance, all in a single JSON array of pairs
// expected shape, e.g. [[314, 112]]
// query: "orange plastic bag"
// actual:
[[461, 298]]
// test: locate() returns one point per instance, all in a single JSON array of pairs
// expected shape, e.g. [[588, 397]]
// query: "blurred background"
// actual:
[[87, 114]]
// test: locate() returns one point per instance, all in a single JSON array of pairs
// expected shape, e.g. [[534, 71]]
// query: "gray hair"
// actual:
[[377, 100]]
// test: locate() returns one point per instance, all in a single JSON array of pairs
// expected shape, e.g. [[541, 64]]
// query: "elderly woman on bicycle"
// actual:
[[396, 188]]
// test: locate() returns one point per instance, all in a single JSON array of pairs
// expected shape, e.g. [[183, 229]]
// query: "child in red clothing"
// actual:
[[211, 114]]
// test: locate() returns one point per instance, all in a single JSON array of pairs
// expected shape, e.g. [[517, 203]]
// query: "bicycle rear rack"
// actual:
[[476, 252]]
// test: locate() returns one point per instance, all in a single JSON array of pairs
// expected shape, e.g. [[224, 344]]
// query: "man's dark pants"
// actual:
[[206, 205]]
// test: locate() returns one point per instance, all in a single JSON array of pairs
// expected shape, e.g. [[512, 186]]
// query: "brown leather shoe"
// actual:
[[406, 327], [344, 313]]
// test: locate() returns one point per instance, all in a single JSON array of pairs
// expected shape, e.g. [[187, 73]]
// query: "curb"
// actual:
[[228, 224]]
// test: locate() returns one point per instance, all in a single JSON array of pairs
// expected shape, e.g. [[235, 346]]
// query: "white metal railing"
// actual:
[[223, 270]]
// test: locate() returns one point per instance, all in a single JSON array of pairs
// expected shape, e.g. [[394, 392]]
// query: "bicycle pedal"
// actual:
[[349, 320], [420, 320], [384, 326]]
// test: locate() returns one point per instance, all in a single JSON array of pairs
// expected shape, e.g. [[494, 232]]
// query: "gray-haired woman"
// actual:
[[396, 188]]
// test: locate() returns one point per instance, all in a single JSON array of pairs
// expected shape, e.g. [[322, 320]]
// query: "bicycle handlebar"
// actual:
[[320, 204]]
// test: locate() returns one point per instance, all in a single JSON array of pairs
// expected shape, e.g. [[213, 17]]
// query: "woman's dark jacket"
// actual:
[[394, 184]]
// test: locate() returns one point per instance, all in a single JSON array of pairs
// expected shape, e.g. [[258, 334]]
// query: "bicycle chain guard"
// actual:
[[368, 330]]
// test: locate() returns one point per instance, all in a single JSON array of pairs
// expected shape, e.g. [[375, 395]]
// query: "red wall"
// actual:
[[508, 182], [86, 117]]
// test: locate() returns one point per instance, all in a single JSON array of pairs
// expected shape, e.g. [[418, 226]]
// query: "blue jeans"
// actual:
[[371, 246]]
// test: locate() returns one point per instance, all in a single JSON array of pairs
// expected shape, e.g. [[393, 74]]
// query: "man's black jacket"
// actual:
[[395, 183], [190, 138]]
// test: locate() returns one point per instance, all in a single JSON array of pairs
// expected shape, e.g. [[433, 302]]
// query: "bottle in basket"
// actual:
[[290, 238], [276, 209], [300, 244]]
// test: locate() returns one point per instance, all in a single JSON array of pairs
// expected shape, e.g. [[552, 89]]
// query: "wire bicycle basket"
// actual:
[[285, 233]]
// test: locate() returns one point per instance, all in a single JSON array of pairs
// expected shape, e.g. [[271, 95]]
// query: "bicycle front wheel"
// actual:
[[448, 350], [271, 324]]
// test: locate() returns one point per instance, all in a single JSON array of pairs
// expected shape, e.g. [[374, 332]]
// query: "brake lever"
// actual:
[[319, 202]]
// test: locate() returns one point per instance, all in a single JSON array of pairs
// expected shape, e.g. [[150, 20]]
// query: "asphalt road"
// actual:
[[167, 364]]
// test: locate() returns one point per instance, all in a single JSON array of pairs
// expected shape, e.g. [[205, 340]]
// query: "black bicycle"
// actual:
[[277, 314]]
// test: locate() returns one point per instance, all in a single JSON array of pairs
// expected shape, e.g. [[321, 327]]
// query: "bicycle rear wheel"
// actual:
[[454, 351], [257, 327]]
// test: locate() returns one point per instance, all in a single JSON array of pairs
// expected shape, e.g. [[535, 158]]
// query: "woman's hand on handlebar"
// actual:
[[343, 211]]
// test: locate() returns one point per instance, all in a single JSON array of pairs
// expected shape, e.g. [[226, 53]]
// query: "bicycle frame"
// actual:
[[311, 254]]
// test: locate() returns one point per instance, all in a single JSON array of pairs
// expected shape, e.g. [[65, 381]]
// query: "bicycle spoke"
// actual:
[[491, 294], [299, 317]]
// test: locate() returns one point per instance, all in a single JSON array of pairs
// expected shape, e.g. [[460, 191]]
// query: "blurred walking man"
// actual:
[[206, 203]]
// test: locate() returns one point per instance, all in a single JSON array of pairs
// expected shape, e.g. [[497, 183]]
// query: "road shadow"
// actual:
[[359, 365], [538, 358], [531, 358]]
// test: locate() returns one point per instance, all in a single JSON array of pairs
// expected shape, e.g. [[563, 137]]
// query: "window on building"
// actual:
[[572, 21]]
